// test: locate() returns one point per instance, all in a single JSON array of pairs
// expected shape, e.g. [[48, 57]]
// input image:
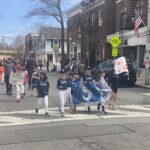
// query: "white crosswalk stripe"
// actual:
[[19, 117], [146, 94]]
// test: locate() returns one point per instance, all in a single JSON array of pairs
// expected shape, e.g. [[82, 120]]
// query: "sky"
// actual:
[[11, 17]]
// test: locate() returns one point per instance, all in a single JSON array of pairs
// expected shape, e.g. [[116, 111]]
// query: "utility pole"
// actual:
[[148, 47]]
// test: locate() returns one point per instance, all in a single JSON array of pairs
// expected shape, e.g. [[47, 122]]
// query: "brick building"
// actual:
[[98, 21], [88, 27], [74, 24], [132, 47], [92, 23]]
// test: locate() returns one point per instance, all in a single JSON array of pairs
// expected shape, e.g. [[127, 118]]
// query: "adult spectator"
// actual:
[[47, 65], [81, 68], [30, 66], [9, 67], [75, 67]]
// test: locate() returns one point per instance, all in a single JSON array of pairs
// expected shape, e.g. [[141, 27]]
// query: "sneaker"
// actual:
[[103, 110], [36, 110], [59, 109], [89, 109], [18, 100], [9, 93], [47, 114], [113, 107], [74, 110], [62, 114], [98, 106], [110, 106]]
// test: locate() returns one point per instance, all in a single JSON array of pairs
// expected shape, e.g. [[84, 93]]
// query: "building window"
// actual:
[[44, 44], [100, 18], [140, 7], [59, 43], [93, 19], [51, 43]]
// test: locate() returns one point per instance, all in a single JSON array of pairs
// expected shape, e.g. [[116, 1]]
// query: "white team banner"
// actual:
[[120, 65], [16, 78]]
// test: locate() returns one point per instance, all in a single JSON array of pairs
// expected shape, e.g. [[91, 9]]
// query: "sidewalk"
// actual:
[[141, 80]]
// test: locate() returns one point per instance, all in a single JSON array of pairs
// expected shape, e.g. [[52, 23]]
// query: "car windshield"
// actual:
[[107, 65]]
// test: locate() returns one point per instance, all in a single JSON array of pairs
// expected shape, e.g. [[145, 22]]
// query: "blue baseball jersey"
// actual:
[[87, 78], [62, 84], [42, 88], [69, 82]]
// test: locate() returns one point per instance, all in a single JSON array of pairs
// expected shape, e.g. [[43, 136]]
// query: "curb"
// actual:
[[142, 86]]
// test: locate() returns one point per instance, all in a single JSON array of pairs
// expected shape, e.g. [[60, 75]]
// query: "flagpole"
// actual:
[[138, 52]]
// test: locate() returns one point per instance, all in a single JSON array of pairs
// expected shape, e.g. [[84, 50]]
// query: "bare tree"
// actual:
[[37, 26], [50, 8], [19, 45]]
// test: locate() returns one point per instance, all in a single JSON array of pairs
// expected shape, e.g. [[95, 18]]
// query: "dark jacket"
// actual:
[[69, 82], [42, 88], [113, 81], [62, 84], [87, 78], [9, 67]]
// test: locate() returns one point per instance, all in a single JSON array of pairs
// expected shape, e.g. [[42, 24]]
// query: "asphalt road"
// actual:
[[127, 128]]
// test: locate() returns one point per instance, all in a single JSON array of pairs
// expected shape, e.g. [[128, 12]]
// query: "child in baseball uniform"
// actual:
[[62, 90], [43, 91]]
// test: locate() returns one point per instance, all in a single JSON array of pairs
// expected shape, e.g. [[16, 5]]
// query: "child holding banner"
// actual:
[[19, 78], [87, 78], [105, 91], [113, 81]]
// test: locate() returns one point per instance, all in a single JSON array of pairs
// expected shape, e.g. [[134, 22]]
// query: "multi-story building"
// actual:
[[132, 46], [5, 54], [92, 23], [98, 22], [88, 26], [74, 15], [31, 44], [49, 46]]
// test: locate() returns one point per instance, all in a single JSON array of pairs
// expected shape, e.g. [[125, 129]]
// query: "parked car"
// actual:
[[124, 78]]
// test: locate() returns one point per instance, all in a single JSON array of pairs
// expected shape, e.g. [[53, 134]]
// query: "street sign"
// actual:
[[147, 58], [115, 41], [115, 52]]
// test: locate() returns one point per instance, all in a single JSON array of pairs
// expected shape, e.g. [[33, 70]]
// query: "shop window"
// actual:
[[93, 19], [100, 18]]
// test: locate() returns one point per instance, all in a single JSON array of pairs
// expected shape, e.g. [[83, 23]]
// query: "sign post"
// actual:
[[147, 65]]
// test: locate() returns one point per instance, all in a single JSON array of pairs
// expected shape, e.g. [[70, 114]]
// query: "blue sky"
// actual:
[[11, 13]]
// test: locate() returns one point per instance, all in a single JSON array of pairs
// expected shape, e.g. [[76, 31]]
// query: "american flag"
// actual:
[[137, 22]]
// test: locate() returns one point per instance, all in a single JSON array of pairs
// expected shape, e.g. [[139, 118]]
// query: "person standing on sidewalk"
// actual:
[[42, 90], [113, 81], [9, 67], [62, 90]]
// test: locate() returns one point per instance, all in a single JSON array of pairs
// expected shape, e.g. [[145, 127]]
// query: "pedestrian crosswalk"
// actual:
[[28, 117]]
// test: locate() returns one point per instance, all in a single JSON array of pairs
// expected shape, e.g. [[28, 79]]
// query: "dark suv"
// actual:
[[124, 78]]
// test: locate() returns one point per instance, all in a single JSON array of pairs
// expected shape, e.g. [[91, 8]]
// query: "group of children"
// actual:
[[19, 79], [65, 85]]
